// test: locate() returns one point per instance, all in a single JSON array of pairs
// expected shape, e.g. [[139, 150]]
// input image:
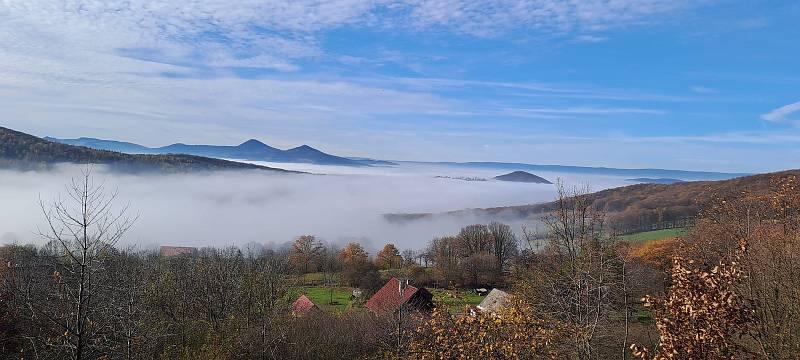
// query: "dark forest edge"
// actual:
[[20, 151]]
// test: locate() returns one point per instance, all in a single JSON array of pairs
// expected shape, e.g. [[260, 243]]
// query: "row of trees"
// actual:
[[478, 255], [308, 254]]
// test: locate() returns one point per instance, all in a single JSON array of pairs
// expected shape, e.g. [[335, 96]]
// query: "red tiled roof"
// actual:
[[387, 299], [302, 305], [170, 251]]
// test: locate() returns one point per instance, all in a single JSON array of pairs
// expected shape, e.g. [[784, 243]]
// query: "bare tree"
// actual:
[[410, 257], [504, 244], [577, 276], [82, 230], [474, 239]]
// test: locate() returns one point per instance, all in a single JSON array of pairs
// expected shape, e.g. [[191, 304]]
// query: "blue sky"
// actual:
[[704, 85]]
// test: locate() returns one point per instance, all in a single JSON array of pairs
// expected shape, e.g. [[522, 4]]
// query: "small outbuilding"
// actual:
[[303, 305], [388, 299], [495, 301]]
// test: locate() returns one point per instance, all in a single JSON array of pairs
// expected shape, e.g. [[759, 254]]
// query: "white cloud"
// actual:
[[159, 71], [780, 114], [198, 29], [490, 18]]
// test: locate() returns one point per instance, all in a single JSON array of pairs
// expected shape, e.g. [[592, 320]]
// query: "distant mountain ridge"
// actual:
[[19, 150], [251, 150], [686, 175]]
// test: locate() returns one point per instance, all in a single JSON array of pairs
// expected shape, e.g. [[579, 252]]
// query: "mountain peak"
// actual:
[[252, 143], [304, 147]]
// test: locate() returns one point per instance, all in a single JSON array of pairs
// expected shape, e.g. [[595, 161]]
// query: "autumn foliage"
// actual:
[[657, 254], [516, 332], [702, 317]]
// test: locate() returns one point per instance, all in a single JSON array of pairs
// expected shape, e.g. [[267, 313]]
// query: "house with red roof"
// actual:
[[388, 299], [304, 305]]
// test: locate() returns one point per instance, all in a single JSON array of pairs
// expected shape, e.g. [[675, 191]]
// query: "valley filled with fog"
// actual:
[[337, 204]]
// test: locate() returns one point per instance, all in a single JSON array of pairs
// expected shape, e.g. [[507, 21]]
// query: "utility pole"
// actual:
[[401, 288]]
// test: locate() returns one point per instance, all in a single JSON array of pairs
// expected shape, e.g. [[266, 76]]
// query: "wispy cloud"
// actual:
[[590, 38], [581, 111], [551, 17], [160, 71], [703, 90], [270, 34], [781, 114]]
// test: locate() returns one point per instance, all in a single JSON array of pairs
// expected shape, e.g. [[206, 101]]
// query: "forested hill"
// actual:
[[638, 205], [23, 151], [252, 150]]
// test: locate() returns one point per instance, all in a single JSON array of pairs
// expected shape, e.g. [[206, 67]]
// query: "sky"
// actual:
[[697, 85]]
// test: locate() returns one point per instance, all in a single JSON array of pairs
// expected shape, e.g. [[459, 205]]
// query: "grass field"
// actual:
[[455, 301], [321, 296], [654, 235]]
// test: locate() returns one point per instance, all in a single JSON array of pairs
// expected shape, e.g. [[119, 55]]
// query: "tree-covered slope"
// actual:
[[24, 151]]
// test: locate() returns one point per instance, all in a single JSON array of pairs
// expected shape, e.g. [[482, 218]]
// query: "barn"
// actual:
[[388, 300]]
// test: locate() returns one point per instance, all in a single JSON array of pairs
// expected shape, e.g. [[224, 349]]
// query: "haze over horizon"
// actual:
[[696, 85]]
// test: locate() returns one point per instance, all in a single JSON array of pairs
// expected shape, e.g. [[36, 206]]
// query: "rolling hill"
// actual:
[[252, 150], [665, 181], [522, 176], [633, 206], [23, 151]]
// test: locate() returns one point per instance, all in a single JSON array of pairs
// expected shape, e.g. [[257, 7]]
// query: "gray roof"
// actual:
[[494, 301]]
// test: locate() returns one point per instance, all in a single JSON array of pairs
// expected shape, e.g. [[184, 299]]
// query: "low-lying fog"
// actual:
[[236, 208]]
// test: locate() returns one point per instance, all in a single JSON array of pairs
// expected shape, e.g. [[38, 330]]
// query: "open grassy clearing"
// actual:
[[655, 235], [329, 299], [337, 299], [455, 300]]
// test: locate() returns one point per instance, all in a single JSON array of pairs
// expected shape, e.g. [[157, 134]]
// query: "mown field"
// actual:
[[455, 300], [655, 235], [330, 299]]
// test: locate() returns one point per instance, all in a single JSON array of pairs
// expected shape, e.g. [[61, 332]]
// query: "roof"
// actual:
[[387, 299], [303, 305], [170, 251], [494, 301]]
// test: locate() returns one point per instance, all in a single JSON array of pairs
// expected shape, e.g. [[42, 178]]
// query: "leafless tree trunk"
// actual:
[[580, 275], [83, 229], [504, 244]]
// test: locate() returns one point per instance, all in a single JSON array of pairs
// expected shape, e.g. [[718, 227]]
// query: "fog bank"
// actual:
[[236, 208]]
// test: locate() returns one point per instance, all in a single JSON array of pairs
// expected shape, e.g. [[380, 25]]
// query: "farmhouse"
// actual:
[[388, 300]]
